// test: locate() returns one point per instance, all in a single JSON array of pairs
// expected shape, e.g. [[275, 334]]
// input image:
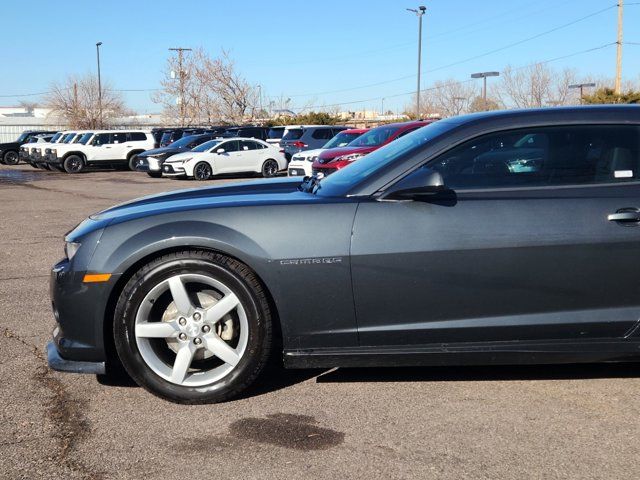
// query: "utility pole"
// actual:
[[484, 76], [181, 79], [75, 102], [382, 109], [99, 86], [582, 86], [619, 49], [419, 12]]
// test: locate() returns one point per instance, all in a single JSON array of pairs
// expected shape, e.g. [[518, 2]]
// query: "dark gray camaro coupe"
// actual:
[[493, 238]]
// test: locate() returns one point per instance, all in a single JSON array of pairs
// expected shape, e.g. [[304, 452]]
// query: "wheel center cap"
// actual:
[[191, 329]]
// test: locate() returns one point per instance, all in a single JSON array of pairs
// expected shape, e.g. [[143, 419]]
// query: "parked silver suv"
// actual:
[[307, 137]]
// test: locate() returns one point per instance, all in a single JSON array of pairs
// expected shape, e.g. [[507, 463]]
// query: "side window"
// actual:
[[544, 156], [231, 146], [136, 137], [247, 145], [119, 137], [322, 134], [101, 139]]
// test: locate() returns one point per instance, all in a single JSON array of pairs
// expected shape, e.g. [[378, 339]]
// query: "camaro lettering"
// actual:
[[310, 261]]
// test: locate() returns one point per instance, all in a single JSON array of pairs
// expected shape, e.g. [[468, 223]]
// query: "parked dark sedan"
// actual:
[[495, 238], [151, 161], [9, 151]]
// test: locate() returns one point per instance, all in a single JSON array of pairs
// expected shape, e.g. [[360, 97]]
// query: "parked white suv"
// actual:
[[103, 148]]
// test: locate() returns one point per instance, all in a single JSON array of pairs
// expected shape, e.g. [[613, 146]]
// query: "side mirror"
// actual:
[[220, 151], [421, 184]]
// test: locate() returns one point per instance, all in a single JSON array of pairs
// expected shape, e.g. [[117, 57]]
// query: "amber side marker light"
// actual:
[[96, 277]]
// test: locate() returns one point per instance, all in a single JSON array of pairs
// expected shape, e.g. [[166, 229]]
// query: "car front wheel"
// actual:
[[193, 327], [202, 171], [73, 164]]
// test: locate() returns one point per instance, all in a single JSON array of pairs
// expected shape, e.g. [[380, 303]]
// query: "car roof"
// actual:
[[356, 130], [227, 139]]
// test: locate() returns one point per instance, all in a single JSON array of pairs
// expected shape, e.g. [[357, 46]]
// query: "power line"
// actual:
[[519, 42]]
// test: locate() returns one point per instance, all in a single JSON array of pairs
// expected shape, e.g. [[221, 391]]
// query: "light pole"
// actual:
[[382, 107], [419, 12], [484, 76], [181, 78], [582, 86], [99, 84]]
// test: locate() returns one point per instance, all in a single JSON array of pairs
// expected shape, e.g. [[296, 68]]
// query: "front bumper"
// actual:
[[60, 364], [173, 170]]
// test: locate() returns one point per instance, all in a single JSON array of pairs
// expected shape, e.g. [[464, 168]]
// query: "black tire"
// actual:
[[202, 171], [11, 157], [240, 280], [131, 162], [269, 168], [73, 164], [45, 166], [155, 174], [34, 165], [55, 166]]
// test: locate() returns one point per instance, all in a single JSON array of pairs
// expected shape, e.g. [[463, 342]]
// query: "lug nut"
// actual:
[[206, 328], [182, 336], [182, 321], [197, 316], [197, 341]]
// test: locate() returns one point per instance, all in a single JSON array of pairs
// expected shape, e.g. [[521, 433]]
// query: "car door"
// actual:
[[251, 155], [96, 148], [534, 240], [227, 162]]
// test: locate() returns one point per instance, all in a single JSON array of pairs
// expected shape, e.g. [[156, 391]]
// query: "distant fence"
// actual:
[[8, 133]]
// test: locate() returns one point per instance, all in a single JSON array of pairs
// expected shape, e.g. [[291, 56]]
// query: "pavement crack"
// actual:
[[65, 412]]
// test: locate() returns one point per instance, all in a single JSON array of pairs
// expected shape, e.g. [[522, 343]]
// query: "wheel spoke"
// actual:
[[180, 295], [220, 309], [221, 349], [182, 363], [157, 330]]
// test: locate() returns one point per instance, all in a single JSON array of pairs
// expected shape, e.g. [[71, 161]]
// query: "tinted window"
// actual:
[[293, 134], [322, 134], [194, 142], [203, 147], [69, 137], [136, 137], [247, 145], [100, 139], [407, 132], [275, 133], [56, 137], [545, 156], [84, 138], [119, 137], [231, 146], [166, 137]]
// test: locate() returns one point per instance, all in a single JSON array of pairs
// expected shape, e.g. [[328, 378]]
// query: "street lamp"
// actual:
[[99, 83], [420, 11], [582, 86], [484, 76]]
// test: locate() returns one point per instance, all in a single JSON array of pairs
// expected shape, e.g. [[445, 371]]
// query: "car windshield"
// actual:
[[340, 182], [166, 137], [184, 141], [55, 138], [341, 140], [23, 137], [206, 146], [84, 138], [275, 133], [374, 137], [293, 134]]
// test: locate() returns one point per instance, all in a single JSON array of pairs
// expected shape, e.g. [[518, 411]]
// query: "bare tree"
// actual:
[[534, 86], [212, 90], [451, 98], [76, 100]]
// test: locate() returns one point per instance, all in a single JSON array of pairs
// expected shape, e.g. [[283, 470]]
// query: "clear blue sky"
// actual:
[[315, 52]]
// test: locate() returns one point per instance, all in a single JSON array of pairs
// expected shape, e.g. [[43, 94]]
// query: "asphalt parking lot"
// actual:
[[485, 422]]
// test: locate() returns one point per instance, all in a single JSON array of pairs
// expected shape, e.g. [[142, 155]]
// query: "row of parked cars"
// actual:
[[201, 153]]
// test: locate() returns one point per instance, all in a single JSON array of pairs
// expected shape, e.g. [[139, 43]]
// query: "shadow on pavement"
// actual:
[[482, 373]]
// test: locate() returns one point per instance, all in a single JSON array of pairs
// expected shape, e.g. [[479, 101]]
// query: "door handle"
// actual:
[[625, 215]]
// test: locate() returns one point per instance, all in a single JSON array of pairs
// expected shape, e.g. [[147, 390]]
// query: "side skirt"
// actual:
[[498, 353]]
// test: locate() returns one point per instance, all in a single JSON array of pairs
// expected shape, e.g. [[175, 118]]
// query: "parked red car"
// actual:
[[331, 160]]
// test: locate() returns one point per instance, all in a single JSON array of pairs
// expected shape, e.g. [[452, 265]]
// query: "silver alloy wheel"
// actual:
[[192, 332]]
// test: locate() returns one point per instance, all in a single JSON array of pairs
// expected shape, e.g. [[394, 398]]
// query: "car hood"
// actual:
[[229, 195], [307, 153], [10, 145], [179, 157], [333, 153], [163, 151]]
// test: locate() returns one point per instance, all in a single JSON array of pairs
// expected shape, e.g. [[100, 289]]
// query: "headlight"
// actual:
[[312, 159], [70, 249], [183, 160]]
